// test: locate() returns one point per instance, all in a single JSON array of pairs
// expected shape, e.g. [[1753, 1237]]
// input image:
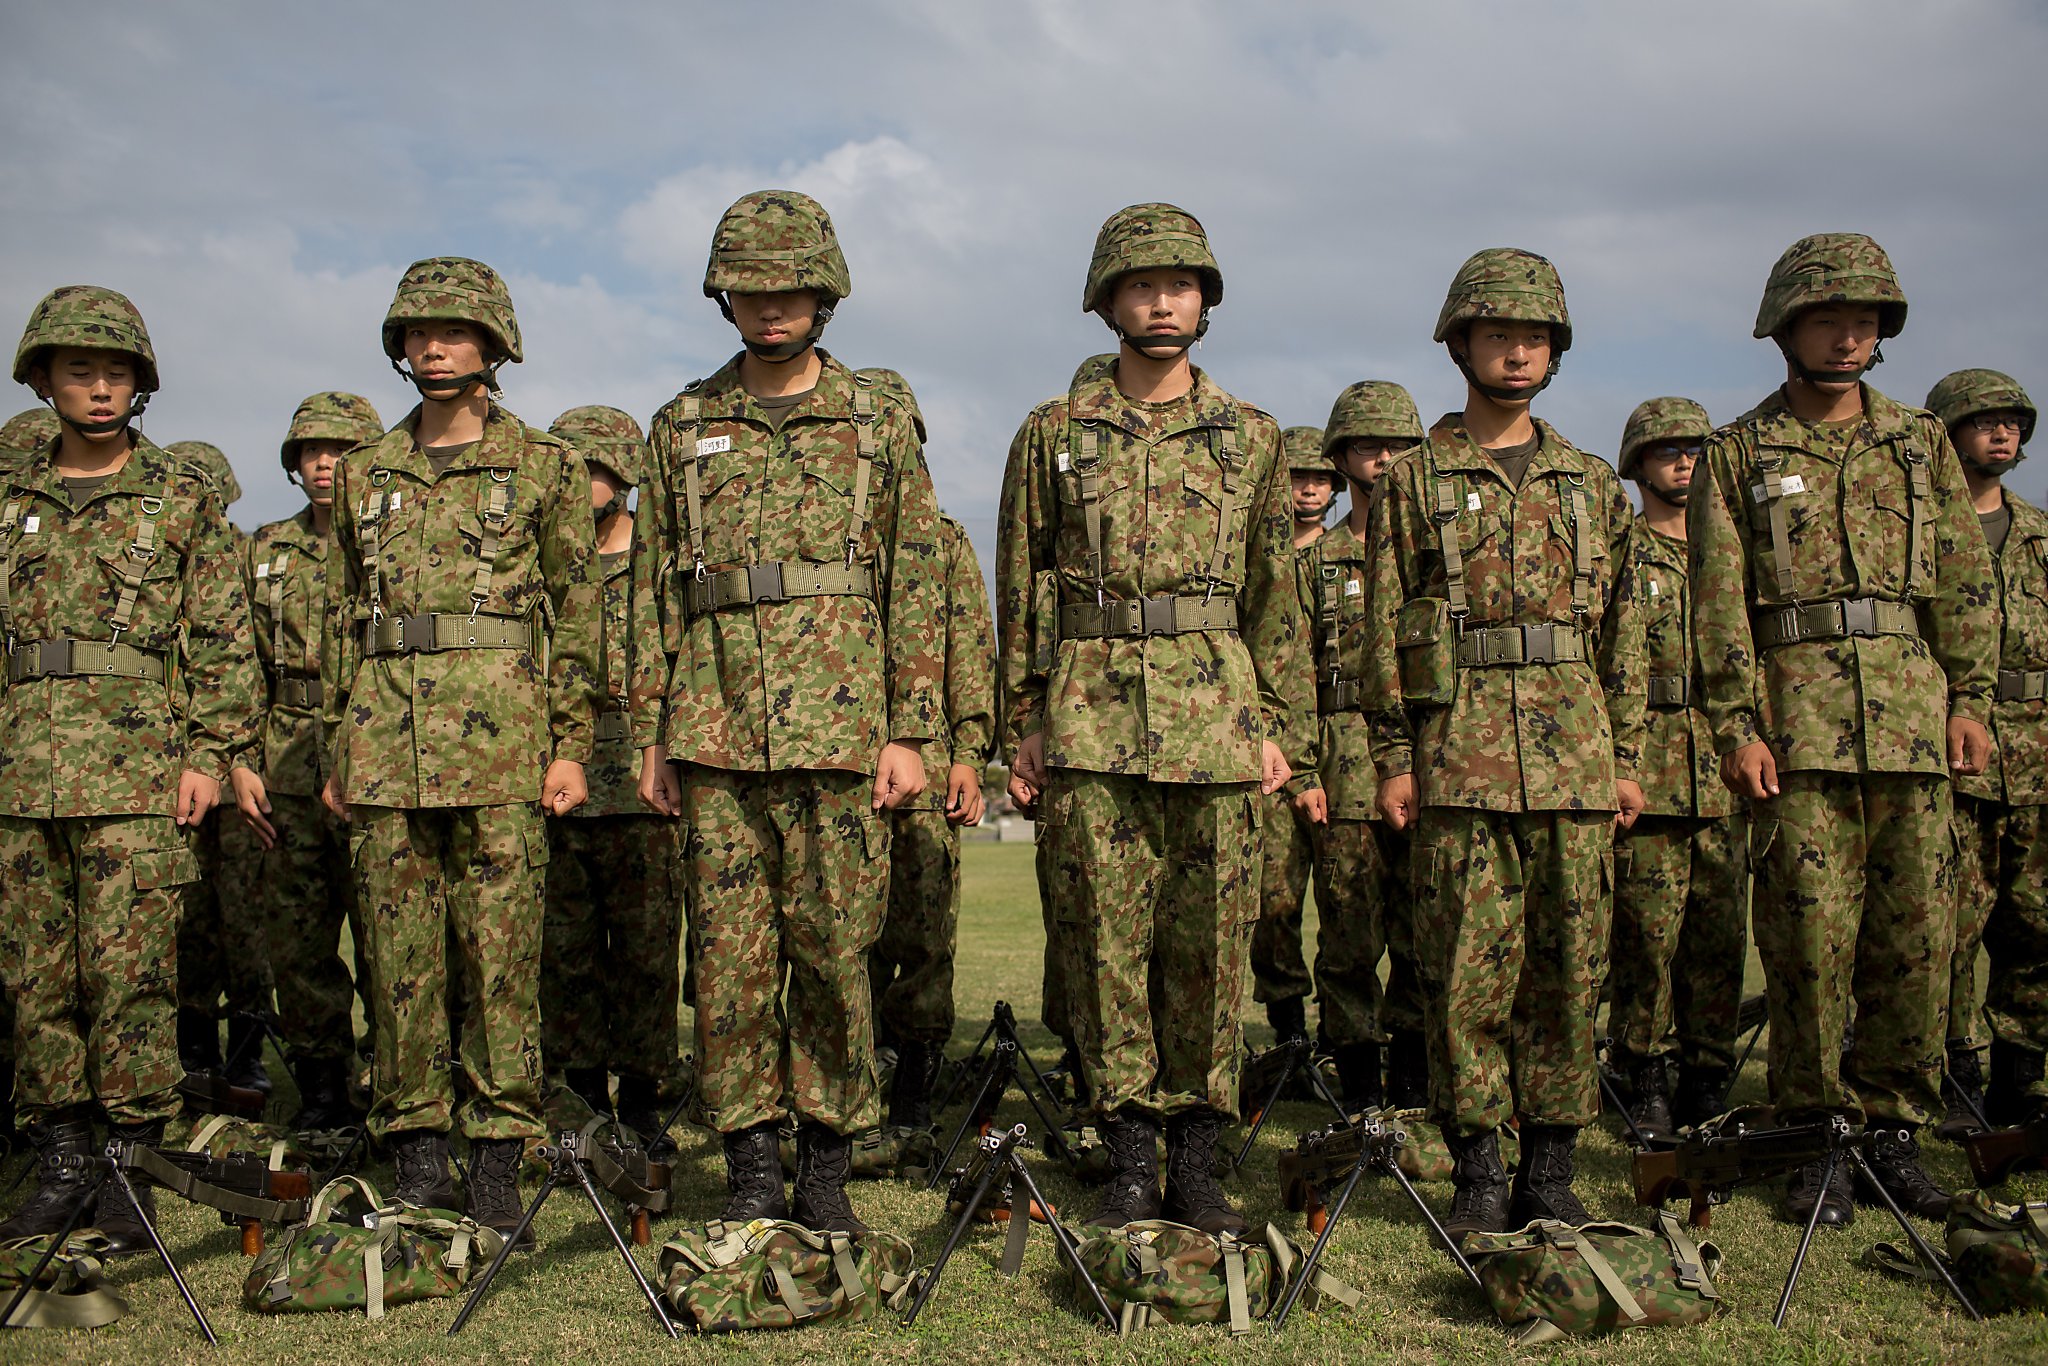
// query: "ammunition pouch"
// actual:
[[82, 659], [1844, 617], [1165, 614], [776, 581], [1427, 648], [433, 632]]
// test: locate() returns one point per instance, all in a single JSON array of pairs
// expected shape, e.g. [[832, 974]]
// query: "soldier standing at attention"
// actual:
[[1155, 677], [459, 709], [1280, 979], [1510, 740], [911, 965], [307, 891], [609, 965], [1681, 875], [2001, 817], [1848, 650], [789, 654], [118, 583], [1362, 901]]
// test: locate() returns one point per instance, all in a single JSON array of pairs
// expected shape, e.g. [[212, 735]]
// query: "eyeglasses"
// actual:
[[1991, 422], [1691, 450]]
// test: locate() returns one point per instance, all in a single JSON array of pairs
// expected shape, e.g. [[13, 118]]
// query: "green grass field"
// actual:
[[573, 1301]]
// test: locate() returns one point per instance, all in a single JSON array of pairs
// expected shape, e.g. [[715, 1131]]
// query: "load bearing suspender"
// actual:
[[1544, 643], [1790, 620], [63, 657], [433, 632]]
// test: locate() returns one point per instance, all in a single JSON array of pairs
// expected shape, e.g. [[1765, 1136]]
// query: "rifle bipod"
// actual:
[[1378, 1143], [114, 1164], [1846, 1146], [1267, 1075], [999, 1155], [998, 1052], [566, 1162]]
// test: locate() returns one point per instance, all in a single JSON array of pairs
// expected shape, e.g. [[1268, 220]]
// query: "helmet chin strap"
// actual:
[[611, 507], [1997, 469], [780, 352], [105, 425], [1812, 376], [441, 390], [1178, 341], [1501, 393]]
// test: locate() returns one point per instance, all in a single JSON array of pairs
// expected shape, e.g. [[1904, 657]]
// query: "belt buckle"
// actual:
[[1156, 616], [53, 657], [1539, 644], [1859, 617], [764, 582], [416, 634]]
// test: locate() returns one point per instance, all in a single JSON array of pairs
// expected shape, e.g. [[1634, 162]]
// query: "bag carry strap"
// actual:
[[1233, 1285], [1286, 1256], [322, 1208], [75, 1298], [1563, 1238], [1687, 1258]]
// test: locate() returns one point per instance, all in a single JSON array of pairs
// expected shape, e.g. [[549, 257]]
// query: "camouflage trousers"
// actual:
[[1055, 1000], [911, 965], [1287, 862], [89, 912], [2004, 873], [611, 944], [1158, 894], [308, 894], [222, 951], [788, 876], [1681, 938], [1511, 927], [1361, 892], [464, 883], [1854, 915]]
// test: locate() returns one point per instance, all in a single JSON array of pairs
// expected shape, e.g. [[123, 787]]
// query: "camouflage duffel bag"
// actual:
[[1557, 1281], [770, 1273], [1425, 1156], [391, 1253], [1998, 1253], [69, 1293], [227, 1136], [1155, 1271]]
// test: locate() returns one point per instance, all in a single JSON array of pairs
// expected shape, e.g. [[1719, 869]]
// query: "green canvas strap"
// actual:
[[433, 632], [1773, 468], [690, 510], [1286, 1256], [141, 551], [1162, 615], [1686, 1257], [1563, 1239], [1833, 620], [274, 573], [82, 659], [1487, 647], [1919, 493], [10, 540], [322, 1208], [2022, 685], [1346, 694], [776, 581], [865, 447], [1088, 471], [382, 501], [845, 1267], [1132, 1317], [497, 515], [1225, 442], [1328, 602], [233, 1203], [1234, 1295], [787, 1290], [1448, 546], [373, 1270], [1582, 547], [209, 1130]]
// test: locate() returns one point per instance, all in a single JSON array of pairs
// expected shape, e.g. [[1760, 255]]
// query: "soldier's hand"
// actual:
[[1969, 747], [1028, 775], [562, 788], [197, 795], [899, 774], [1396, 801], [1273, 769], [1751, 771], [330, 797], [254, 803], [963, 795], [661, 787], [1628, 801], [1314, 806]]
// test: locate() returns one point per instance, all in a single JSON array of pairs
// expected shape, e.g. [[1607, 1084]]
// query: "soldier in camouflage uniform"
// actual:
[[609, 951], [26, 432], [307, 891], [1280, 979], [2001, 815], [128, 691], [1361, 862], [1681, 874], [911, 965], [1510, 737], [1155, 678], [458, 705], [1847, 649], [788, 630]]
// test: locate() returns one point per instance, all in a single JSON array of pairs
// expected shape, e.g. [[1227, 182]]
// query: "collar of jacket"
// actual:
[[1094, 397], [1454, 450], [498, 449], [1774, 424], [1655, 547], [724, 399], [2029, 523], [149, 471], [294, 533], [1339, 545]]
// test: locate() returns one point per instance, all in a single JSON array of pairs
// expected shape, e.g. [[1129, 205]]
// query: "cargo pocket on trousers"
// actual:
[[152, 869]]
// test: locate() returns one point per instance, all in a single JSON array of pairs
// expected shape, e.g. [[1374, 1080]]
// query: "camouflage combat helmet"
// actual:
[[453, 289], [605, 436], [1149, 237], [1832, 268], [212, 463], [28, 431], [1375, 408], [776, 240], [1303, 447], [330, 416], [98, 320], [1660, 419], [898, 388], [1514, 286], [1966, 393]]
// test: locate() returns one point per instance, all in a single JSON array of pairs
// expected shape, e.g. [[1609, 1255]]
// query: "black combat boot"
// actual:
[[1358, 1074], [61, 1140], [1803, 1190], [244, 1064], [1702, 1094], [323, 1095], [118, 1217], [494, 1186], [753, 1175], [1407, 1070], [1894, 1160], [910, 1092], [640, 1110], [824, 1161], [592, 1086], [1289, 1018], [1480, 1204], [1963, 1090], [421, 1159], [1651, 1109], [1133, 1189], [1543, 1178], [198, 1040], [1193, 1195], [2015, 1071]]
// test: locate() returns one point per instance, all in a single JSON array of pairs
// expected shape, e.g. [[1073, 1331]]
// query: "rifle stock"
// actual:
[[1707, 1166], [1996, 1155], [215, 1095]]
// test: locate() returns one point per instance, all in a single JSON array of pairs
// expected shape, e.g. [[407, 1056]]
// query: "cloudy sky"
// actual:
[[256, 175]]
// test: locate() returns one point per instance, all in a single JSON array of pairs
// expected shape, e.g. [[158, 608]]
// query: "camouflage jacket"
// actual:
[[284, 568], [1874, 704], [810, 682], [1193, 707], [613, 773], [1679, 772], [1536, 737], [1336, 606], [463, 727], [2018, 774], [970, 670], [115, 746]]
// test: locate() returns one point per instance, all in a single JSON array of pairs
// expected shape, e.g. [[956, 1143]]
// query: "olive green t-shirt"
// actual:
[[1996, 527], [1514, 460], [779, 407], [84, 487], [440, 459]]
